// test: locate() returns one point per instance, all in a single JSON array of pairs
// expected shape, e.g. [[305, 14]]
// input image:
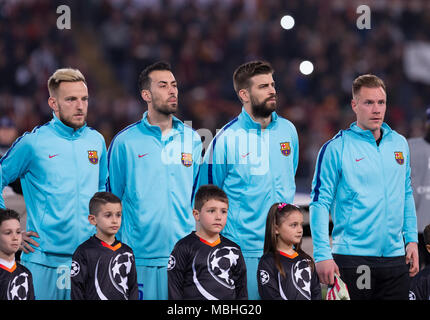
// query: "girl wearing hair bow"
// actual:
[[285, 271]]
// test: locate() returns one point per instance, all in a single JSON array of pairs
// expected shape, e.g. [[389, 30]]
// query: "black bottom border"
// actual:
[[213, 310]]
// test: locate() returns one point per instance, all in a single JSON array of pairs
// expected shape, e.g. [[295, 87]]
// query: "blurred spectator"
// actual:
[[12, 195], [8, 134]]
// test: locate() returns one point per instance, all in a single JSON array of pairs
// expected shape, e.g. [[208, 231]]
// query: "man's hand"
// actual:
[[412, 258], [27, 240], [326, 270]]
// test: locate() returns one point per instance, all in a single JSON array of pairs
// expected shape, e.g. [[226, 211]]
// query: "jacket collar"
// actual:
[[66, 131], [249, 123], [386, 130], [177, 126]]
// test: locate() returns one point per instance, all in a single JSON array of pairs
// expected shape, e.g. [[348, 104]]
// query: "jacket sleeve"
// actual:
[[103, 169], [197, 154], [214, 166], [324, 185], [31, 295], [132, 282], [315, 286], [420, 285], [295, 145], [78, 276], [116, 168], [16, 162], [240, 279], [410, 232], [2, 205], [267, 279], [176, 272], [291, 186], [197, 160]]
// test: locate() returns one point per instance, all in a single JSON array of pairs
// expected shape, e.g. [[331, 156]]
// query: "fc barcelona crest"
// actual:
[[399, 157], [93, 157], [285, 148], [187, 159]]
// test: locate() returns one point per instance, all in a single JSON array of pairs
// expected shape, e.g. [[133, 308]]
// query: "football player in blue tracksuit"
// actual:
[[362, 178], [152, 166], [254, 160], [61, 165]]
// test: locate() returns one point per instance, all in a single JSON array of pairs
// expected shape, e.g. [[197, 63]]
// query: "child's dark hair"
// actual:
[[426, 235], [277, 213], [8, 214], [100, 198], [209, 192]]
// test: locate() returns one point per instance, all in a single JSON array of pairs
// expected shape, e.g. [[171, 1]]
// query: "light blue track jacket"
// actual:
[[367, 190], [154, 177], [60, 170], [256, 168]]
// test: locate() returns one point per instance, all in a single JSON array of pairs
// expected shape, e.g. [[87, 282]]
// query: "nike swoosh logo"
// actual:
[[141, 155], [53, 155], [356, 160], [245, 155]]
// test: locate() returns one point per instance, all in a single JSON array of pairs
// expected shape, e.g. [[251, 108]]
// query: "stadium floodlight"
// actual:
[[306, 67], [287, 22]]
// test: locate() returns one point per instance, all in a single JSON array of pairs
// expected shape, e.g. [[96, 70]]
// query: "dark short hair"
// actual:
[[100, 198], [8, 214], [426, 235], [209, 192], [368, 81], [144, 81], [243, 73]]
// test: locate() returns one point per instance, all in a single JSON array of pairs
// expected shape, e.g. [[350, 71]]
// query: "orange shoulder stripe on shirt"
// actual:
[[291, 256], [114, 248], [212, 244], [7, 269]]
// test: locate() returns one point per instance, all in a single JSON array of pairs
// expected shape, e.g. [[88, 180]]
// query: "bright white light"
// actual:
[[287, 22], [306, 67]]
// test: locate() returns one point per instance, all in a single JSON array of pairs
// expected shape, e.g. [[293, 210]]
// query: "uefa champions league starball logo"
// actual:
[[220, 261], [264, 277], [18, 287], [74, 269], [120, 267], [301, 274], [172, 263]]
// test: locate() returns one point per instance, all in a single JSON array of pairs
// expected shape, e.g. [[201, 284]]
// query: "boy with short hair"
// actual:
[[103, 268], [16, 281], [204, 264], [420, 284]]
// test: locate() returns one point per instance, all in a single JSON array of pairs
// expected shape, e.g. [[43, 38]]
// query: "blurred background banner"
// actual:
[[111, 41], [417, 61]]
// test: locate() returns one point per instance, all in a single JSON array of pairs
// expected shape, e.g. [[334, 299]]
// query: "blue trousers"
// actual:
[[152, 282], [251, 274], [50, 283]]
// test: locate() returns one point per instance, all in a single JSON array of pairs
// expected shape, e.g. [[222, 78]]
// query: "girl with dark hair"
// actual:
[[285, 271]]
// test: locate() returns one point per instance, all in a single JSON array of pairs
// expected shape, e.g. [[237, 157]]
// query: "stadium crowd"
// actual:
[[204, 40]]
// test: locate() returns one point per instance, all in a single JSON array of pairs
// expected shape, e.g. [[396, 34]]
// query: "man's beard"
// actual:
[[263, 109], [165, 109], [69, 123]]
